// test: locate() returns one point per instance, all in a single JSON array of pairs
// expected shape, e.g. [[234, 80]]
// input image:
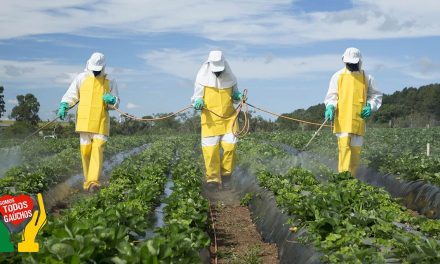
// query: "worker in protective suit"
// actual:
[[216, 90], [95, 94], [351, 98]]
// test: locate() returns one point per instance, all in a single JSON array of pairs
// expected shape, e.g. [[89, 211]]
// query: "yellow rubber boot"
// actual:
[[355, 160], [228, 159], [96, 160], [86, 151], [344, 154], [211, 155]]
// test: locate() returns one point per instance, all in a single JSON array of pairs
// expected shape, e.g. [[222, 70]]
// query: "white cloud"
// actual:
[[132, 106], [65, 77], [284, 67], [424, 68], [185, 64], [36, 74], [246, 21], [13, 101]]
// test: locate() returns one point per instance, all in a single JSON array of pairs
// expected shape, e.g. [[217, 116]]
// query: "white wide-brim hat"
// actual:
[[96, 62], [352, 55]]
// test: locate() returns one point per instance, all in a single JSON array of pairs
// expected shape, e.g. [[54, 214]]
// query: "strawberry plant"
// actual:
[[399, 151], [39, 175], [349, 221], [103, 226], [110, 226], [186, 216]]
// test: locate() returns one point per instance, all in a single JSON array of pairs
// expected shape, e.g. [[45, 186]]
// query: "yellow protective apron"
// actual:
[[92, 115], [220, 102], [352, 91]]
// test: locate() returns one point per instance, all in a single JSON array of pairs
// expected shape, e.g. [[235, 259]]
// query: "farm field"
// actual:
[[112, 226], [154, 209], [401, 152], [343, 219], [40, 169]]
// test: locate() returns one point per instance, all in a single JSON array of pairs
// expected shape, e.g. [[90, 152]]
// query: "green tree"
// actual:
[[389, 112], [2, 101], [314, 114], [27, 109], [258, 123], [168, 123], [190, 122]]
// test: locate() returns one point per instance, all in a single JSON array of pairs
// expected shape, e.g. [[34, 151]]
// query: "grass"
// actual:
[[7, 122], [252, 256]]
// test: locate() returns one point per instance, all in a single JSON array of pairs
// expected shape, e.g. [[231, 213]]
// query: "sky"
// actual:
[[284, 52]]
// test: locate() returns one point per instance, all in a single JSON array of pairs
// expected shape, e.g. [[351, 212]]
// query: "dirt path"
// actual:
[[238, 240]]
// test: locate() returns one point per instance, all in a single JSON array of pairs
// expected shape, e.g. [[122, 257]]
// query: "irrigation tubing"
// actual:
[[214, 231]]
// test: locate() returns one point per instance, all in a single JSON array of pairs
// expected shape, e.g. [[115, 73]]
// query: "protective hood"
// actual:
[[206, 77]]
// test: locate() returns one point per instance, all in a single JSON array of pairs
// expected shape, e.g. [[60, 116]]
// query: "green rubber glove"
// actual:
[[5, 241], [109, 99], [329, 112], [366, 111], [198, 104], [238, 96], [62, 110]]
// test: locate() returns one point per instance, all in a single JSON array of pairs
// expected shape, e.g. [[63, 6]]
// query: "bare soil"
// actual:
[[238, 240]]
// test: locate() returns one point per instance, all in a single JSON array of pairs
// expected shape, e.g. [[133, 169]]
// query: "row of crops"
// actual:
[[401, 152], [59, 160], [111, 226], [40, 148], [18, 152], [343, 219]]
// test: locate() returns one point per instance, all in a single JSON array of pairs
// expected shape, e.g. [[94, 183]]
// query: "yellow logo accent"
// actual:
[[31, 230]]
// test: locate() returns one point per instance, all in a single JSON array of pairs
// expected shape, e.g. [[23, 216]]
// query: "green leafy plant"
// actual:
[[347, 220], [247, 198]]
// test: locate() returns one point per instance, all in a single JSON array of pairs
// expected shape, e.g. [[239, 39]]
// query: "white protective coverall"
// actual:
[[92, 119], [217, 91], [350, 139]]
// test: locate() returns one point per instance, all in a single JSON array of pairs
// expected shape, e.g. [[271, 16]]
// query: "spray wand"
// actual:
[[315, 134]]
